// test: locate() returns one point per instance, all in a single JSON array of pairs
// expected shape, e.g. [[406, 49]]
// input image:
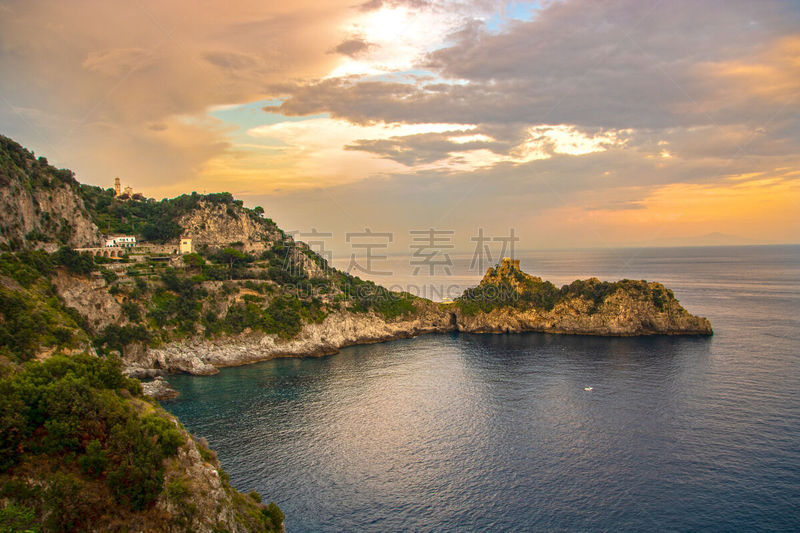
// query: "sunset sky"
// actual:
[[578, 123]]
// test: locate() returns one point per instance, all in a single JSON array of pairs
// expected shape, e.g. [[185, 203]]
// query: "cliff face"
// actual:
[[621, 314], [219, 225], [588, 307], [337, 330], [205, 501], [90, 297], [39, 206]]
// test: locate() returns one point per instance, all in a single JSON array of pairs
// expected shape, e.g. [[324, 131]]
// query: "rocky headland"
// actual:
[[503, 304]]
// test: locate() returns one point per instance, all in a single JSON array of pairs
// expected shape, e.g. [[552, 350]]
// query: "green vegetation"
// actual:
[[76, 262], [31, 315], [77, 437], [283, 316], [18, 162], [149, 219], [72, 412], [161, 303], [518, 290]]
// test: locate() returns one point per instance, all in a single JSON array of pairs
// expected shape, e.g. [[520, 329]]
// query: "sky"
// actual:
[[574, 123]]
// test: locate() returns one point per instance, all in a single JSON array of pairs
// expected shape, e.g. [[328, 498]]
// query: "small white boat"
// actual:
[[589, 389]]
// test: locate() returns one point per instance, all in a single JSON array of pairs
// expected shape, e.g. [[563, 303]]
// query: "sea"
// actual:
[[466, 432]]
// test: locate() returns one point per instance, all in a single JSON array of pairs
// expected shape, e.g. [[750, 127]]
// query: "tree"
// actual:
[[259, 210], [233, 256]]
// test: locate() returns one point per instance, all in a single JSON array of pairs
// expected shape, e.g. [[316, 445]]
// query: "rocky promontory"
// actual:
[[506, 301], [510, 301]]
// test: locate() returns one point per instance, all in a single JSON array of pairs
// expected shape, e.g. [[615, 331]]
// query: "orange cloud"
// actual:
[[759, 207], [106, 86], [772, 75]]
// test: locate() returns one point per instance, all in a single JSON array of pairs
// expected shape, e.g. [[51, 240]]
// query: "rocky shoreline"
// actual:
[[620, 315]]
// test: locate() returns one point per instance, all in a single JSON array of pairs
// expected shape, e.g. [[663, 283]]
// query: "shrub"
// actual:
[[52, 407], [14, 518], [132, 311], [109, 276], [95, 460], [115, 337], [76, 262], [65, 504], [273, 516]]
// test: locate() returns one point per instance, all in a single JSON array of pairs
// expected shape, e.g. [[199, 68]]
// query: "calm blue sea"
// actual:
[[462, 432]]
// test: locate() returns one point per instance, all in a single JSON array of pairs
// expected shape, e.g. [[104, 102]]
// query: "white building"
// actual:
[[186, 246], [123, 241]]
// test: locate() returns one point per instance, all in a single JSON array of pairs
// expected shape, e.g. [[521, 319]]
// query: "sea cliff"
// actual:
[[626, 308]]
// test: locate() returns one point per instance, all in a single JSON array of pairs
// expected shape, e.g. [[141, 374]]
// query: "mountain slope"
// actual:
[[39, 206], [81, 449]]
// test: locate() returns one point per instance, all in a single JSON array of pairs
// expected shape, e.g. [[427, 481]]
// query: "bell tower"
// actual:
[[117, 187]]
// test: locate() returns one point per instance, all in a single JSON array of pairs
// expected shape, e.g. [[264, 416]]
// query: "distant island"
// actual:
[[191, 284]]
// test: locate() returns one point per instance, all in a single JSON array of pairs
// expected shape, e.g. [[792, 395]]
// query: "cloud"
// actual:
[[233, 61], [352, 47], [116, 62], [540, 142], [133, 71], [624, 65], [426, 111]]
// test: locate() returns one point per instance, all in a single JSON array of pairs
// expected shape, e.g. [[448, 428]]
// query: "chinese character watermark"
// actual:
[[482, 256], [367, 241], [428, 246]]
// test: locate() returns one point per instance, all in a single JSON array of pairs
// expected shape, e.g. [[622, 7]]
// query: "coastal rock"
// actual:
[[159, 389], [216, 224], [339, 329], [588, 307], [204, 502], [621, 314]]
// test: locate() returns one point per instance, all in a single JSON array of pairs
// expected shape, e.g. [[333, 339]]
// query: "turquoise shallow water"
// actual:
[[495, 432]]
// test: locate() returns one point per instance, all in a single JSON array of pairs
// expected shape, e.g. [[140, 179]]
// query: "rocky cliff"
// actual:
[[338, 330], [585, 307], [204, 500], [217, 224], [621, 314], [506, 301], [39, 206]]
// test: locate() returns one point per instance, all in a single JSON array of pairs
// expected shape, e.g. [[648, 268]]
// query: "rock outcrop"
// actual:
[[338, 330], [39, 206], [629, 309], [206, 502], [587, 307], [159, 389], [90, 297], [621, 314], [219, 225]]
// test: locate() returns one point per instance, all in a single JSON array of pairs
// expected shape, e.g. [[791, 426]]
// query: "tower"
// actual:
[[117, 187]]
